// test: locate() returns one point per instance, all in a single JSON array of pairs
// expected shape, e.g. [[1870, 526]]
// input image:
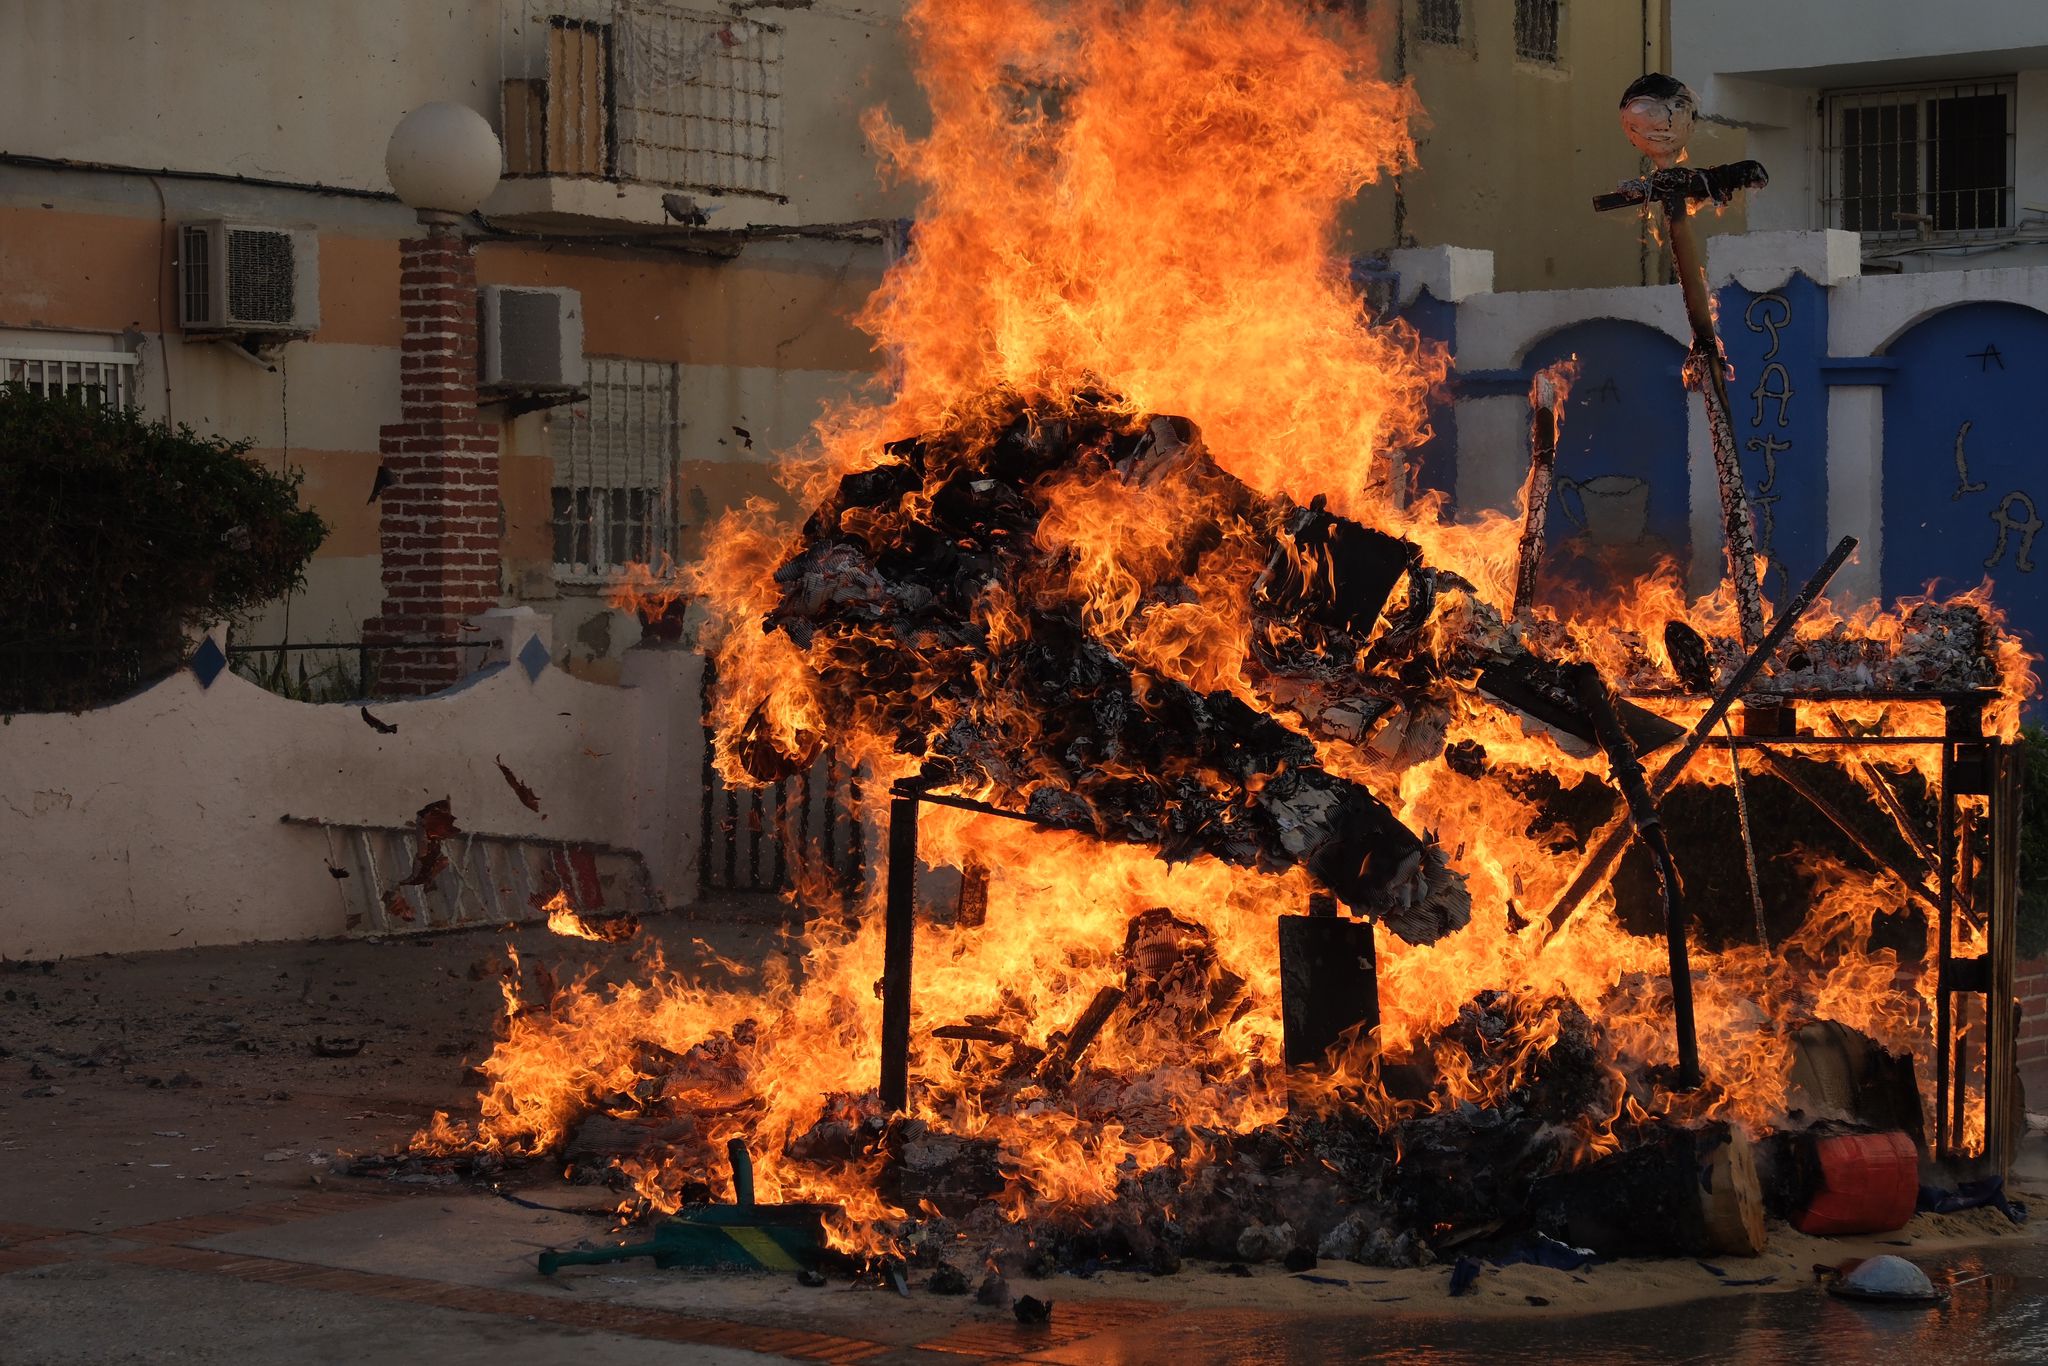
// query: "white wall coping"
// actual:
[[1762, 261], [1451, 274], [1497, 331], [157, 822], [1866, 317]]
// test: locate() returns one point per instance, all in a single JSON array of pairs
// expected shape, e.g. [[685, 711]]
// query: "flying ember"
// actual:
[[1120, 597]]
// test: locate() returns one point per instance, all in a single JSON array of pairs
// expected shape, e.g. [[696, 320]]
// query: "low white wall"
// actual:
[[157, 822]]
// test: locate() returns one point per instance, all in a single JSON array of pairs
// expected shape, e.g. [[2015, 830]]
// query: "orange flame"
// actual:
[[1140, 197], [565, 920]]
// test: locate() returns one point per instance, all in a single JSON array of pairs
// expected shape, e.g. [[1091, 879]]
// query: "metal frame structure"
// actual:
[[642, 91], [802, 831], [1883, 153], [617, 458], [1972, 765], [899, 925]]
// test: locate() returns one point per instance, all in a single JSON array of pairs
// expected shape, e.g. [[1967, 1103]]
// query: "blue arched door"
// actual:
[[1965, 428], [1622, 498]]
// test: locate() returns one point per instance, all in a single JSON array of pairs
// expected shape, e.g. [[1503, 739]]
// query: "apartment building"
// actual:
[[1922, 128], [195, 218]]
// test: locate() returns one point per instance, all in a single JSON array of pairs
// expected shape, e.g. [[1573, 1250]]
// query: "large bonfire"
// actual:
[[1011, 579]]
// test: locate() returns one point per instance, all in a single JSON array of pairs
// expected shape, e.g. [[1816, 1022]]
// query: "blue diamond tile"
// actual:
[[207, 661], [534, 656]]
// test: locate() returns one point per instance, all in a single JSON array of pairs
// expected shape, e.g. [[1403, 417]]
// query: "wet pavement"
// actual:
[[2002, 1317]]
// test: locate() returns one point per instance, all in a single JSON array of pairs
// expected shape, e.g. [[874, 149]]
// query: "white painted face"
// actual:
[[1660, 126]]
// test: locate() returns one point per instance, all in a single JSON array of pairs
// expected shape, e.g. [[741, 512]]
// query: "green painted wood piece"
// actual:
[[717, 1238]]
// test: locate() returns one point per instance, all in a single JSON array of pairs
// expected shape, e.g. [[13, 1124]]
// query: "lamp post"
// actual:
[[438, 522]]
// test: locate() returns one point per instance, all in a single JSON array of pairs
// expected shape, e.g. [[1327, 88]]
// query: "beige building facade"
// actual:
[[714, 328], [1520, 133]]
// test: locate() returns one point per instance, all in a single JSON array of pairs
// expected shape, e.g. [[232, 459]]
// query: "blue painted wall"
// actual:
[[1433, 466], [1775, 341], [1622, 497], [1964, 472], [1966, 459]]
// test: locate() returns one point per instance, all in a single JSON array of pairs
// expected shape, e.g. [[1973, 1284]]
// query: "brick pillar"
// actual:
[[2030, 989], [439, 512]]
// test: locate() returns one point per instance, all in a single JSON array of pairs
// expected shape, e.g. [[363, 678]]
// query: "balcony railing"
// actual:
[[635, 90]]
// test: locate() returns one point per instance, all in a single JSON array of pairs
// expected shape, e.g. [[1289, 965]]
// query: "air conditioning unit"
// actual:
[[248, 277], [533, 340]]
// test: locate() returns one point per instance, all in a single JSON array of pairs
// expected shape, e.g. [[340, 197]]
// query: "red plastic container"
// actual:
[[1868, 1184]]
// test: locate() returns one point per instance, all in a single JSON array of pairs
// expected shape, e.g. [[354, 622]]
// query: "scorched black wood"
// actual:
[[1327, 986]]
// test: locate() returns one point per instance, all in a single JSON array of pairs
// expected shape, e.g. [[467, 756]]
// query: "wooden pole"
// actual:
[[898, 925], [1708, 368], [1543, 399]]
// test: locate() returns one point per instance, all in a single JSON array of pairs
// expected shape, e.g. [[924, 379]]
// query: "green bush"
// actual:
[[2033, 918], [119, 534]]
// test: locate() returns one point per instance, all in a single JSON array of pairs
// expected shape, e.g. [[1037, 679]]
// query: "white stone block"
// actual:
[[1761, 261], [1451, 274]]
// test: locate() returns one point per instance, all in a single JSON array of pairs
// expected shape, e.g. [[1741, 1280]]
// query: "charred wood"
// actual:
[[927, 1166], [930, 604], [1066, 1048], [1327, 984]]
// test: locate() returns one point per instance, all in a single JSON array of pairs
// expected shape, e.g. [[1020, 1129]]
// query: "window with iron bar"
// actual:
[[1440, 21], [1536, 30], [1921, 160], [103, 377], [643, 91], [615, 457]]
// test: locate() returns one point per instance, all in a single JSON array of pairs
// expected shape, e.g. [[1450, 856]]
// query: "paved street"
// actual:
[[168, 1129]]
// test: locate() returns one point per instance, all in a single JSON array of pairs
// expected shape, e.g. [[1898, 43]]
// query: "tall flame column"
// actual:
[[438, 528]]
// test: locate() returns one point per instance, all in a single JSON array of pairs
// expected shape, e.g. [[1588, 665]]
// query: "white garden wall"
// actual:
[[159, 823]]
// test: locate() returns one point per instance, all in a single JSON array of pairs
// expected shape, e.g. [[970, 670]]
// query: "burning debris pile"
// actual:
[[945, 594], [1114, 1090], [1196, 682], [1929, 647]]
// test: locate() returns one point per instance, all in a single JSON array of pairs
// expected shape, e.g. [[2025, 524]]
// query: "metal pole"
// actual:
[[1959, 1105], [1945, 843], [898, 923]]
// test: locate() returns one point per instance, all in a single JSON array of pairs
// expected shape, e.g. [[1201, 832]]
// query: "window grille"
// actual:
[[1536, 25], [700, 100], [1440, 21], [1921, 160], [615, 456], [644, 91], [105, 377], [196, 247]]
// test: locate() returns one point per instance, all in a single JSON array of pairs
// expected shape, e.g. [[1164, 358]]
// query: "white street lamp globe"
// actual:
[[443, 158]]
